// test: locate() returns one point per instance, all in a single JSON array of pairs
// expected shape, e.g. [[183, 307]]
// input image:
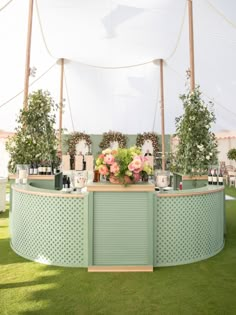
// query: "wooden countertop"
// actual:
[[39, 177], [45, 192], [105, 187]]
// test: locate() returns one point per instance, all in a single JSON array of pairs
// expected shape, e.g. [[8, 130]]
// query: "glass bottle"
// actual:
[[220, 178], [214, 178], [209, 177]]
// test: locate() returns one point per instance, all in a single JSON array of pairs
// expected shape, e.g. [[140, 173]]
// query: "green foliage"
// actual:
[[197, 148], [35, 138], [232, 154]]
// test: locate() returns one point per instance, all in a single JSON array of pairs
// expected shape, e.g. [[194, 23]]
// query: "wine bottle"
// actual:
[[84, 164], [39, 169], [35, 169], [31, 170], [68, 182], [221, 179], [209, 177], [49, 168], [64, 181], [44, 168], [214, 178]]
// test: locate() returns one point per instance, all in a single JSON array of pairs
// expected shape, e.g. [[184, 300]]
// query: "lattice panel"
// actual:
[[2, 195], [50, 230], [188, 228]]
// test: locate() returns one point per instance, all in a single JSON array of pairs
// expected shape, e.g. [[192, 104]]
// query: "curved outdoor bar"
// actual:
[[117, 228]]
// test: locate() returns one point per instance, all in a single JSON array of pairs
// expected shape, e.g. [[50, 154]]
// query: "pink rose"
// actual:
[[101, 156], [103, 170], [114, 168], [131, 166], [138, 163], [109, 159]]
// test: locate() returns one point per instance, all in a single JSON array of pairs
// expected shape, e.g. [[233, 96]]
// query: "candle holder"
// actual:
[[162, 179], [22, 172]]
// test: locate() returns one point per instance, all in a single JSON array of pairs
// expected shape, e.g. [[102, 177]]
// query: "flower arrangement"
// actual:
[[112, 136], [152, 136], [74, 138], [123, 165]]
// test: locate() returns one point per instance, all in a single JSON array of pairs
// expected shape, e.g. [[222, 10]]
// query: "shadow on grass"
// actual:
[[4, 215], [7, 255]]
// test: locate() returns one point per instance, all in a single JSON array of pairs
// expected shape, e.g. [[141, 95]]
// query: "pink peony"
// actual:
[[103, 170], [109, 159], [114, 168]]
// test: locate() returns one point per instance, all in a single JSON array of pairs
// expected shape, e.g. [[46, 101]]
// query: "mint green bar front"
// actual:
[[49, 229], [188, 228], [117, 228]]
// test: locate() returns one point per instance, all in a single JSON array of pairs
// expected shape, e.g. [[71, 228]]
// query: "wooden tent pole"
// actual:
[[162, 115], [28, 47], [61, 106], [191, 45]]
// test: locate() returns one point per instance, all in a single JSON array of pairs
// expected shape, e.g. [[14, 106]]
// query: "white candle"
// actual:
[[22, 174], [162, 181]]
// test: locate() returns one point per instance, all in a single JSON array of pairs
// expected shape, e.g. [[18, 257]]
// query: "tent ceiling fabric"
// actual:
[[104, 40]]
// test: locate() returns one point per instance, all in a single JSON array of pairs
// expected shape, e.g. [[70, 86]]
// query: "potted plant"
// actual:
[[35, 138], [197, 147]]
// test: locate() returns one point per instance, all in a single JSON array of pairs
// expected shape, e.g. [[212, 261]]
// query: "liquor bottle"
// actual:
[[220, 178], [214, 178], [64, 181], [209, 177], [84, 164], [68, 182], [31, 170]]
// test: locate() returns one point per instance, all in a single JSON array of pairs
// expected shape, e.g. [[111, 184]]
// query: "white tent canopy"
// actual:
[[111, 81]]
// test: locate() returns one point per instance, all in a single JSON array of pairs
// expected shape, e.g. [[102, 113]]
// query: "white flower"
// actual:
[[210, 154], [200, 147], [189, 129], [208, 157]]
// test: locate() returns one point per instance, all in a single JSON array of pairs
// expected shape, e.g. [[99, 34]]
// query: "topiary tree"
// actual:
[[35, 138], [232, 154], [197, 148]]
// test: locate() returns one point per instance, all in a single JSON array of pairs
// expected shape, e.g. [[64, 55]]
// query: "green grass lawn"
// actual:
[[207, 287]]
